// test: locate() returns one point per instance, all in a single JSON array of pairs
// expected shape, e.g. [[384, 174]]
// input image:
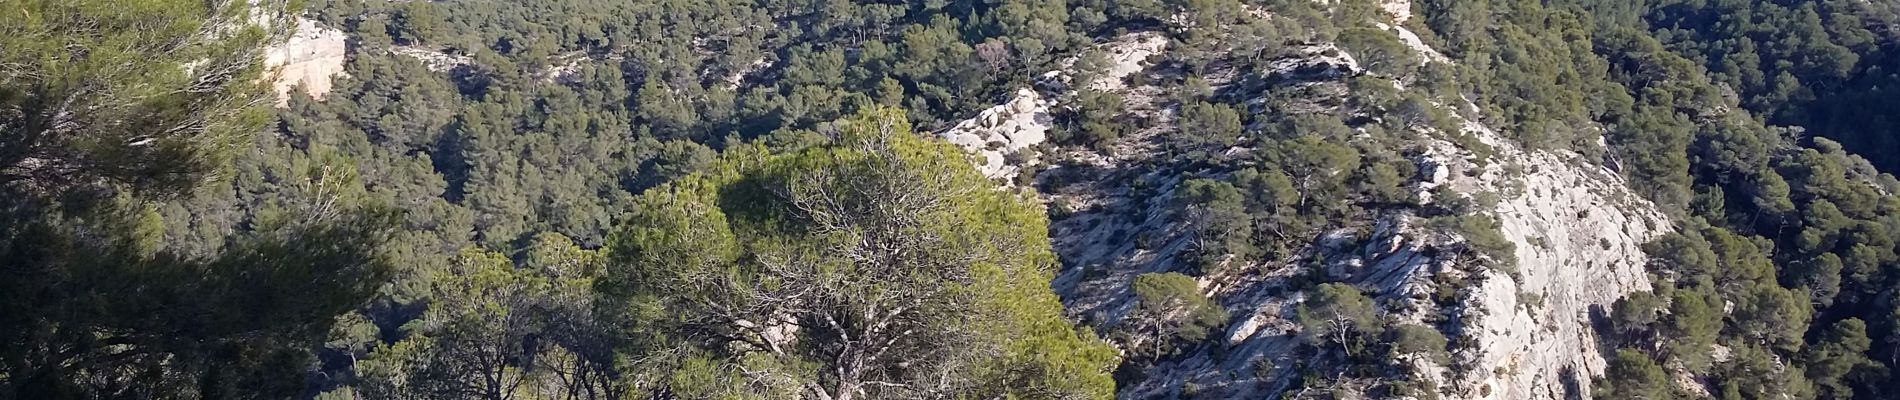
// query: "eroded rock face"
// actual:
[[1128, 55], [1000, 132], [313, 56], [1003, 130], [1322, 62], [1577, 231]]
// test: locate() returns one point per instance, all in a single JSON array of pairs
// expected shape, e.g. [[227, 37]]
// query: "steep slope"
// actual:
[[1578, 232], [1522, 331], [998, 134], [312, 57]]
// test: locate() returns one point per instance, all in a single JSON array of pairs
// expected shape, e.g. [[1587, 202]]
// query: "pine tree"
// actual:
[[880, 265]]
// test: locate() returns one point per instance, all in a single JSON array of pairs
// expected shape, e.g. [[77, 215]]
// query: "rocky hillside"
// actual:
[[1026, 199], [1522, 330], [1526, 330], [312, 57]]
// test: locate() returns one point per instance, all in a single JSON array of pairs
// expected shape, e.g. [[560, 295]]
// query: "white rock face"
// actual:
[[1579, 232], [313, 56], [1418, 45], [1314, 63], [1576, 227], [1400, 10], [1003, 130], [435, 60], [1024, 121], [1128, 55]]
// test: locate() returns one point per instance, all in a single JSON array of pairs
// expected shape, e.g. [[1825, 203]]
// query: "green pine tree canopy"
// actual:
[[723, 199], [877, 265]]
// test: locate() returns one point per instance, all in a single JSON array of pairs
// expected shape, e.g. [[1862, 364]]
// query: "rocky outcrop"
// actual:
[[1578, 232], [999, 132], [997, 135], [1128, 55], [1527, 331], [1313, 63], [435, 60], [312, 57]]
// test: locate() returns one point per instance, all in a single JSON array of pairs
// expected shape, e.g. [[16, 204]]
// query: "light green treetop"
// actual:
[[880, 265]]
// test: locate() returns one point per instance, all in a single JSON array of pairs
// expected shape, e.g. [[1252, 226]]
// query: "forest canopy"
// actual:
[[605, 199], [879, 265]]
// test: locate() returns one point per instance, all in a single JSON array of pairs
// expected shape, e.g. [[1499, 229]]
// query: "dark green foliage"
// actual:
[[569, 108], [1270, 198], [492, 153], [564, 112], [1338, 315], [1824, 65], [94, 306], [1840, 352], [1636, 313], [1418, 339], [1385, 182], [1774, 225], [1097, 118], [1318, 169], [1169, 306], [1694, 321], [1531, 64], [109, 107], [98, 92], [156, 248], [510, 331], [1756, 373], [1632, 375], [1217, 215], [1207, 130]]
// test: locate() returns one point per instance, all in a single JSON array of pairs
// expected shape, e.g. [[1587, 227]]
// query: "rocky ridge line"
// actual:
[[1577, 229]]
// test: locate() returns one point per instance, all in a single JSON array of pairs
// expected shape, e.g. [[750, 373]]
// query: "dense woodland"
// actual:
[[605, 199]]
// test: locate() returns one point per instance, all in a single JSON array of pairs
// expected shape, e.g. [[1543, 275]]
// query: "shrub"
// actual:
[[1170, 306]]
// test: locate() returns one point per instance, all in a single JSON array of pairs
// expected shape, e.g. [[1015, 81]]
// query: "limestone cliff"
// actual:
[[312, 56], [1523, 332]]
